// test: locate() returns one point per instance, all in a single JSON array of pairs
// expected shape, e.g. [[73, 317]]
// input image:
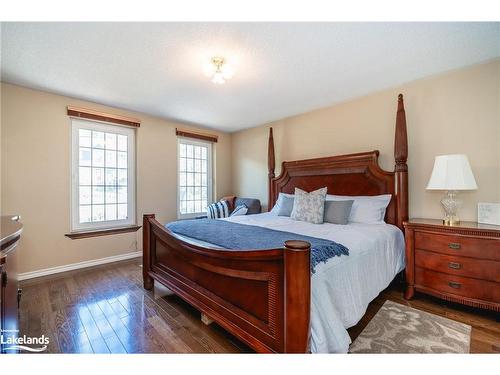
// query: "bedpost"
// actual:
[[401, 168], [146, 251], [270, 166], [297, 296]]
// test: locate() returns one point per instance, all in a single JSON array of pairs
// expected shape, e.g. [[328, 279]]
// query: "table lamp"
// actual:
[[451, 173]]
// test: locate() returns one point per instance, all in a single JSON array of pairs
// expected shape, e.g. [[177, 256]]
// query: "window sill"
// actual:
[[102, 232]]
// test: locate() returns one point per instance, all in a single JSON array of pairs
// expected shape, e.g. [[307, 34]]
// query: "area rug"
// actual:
[[400, 329]]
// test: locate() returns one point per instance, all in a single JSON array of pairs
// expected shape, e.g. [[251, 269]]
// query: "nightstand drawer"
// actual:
[[460, 266], [458, 285], [458, 245]]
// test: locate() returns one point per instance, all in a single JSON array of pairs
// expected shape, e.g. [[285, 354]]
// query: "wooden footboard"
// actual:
[[261, 296]]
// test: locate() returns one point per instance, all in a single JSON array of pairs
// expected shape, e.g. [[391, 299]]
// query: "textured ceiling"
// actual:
[[282, 69]]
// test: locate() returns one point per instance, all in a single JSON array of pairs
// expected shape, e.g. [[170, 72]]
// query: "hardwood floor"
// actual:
[[106, 310]]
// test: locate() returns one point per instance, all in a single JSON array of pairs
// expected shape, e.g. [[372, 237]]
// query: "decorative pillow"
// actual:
[[366, 209], [309, 207], [286, 206], [279, 202], [231, 201], [218, 209], [337, 212], [240, 210], [253, 205]]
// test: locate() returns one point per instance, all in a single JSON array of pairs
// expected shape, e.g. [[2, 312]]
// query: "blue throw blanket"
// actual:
[[237, 236]]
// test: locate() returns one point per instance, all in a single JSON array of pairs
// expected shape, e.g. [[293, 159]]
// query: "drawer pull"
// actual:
[[455, 266], [454, 285], [454, 245]]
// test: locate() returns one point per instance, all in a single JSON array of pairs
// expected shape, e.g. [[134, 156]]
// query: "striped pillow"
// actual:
[[217, 210]]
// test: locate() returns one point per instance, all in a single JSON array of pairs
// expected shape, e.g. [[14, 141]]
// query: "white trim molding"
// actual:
[[79, 265], [78, 125], [209, 172]]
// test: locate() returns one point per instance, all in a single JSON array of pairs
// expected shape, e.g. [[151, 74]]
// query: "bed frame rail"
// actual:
[[261, 296]]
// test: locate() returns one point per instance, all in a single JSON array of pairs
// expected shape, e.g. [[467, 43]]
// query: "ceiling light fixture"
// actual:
[[219, 70]]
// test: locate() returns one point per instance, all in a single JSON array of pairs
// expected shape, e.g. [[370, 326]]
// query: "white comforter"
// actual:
[[343, 287]]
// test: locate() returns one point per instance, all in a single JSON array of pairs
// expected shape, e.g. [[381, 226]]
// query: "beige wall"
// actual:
[[457, 112], [35, 156]]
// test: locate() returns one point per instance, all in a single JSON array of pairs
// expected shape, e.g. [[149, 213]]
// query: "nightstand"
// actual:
[[457, 263]]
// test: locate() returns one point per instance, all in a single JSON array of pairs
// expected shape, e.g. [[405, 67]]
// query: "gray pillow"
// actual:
[[252, 204], [286, 206], [337, 212]]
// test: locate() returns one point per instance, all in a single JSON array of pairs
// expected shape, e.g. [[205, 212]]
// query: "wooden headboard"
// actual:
[[353, 174]]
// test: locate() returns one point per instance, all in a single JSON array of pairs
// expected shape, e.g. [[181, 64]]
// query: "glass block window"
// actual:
[[103, 191], [195, 177]]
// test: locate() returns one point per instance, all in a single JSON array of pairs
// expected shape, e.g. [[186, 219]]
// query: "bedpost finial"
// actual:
[[297, 245], [401, 168], [401, 106], [401, 140], [270, 167], [270, 154]]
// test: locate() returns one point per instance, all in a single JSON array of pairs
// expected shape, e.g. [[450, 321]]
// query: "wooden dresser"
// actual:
[[457, 263], [10, 234]]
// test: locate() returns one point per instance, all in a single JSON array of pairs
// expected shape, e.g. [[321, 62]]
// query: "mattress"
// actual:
[[342, 287]]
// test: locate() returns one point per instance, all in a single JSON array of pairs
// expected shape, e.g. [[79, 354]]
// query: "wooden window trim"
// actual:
[[196, 135], [90, 114], [102, 232]]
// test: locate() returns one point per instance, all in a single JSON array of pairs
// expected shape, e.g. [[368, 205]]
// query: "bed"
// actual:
[[268, 298]]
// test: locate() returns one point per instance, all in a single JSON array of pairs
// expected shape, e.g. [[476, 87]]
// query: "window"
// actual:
[[103, 175], [195, 177]]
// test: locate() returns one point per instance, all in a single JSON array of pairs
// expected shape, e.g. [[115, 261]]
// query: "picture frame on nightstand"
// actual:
[[488, 213]]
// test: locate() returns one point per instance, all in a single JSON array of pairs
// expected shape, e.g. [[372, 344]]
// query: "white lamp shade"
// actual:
[[452, 172]]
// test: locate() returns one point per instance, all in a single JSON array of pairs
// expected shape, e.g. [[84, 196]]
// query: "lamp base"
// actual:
[[451, 205], [451, 221]]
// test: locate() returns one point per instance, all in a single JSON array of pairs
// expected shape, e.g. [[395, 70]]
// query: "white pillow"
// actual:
[[279, 202], [365, 209], [240, 210]]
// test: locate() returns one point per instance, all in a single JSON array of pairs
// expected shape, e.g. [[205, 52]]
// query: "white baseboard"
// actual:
[[75, 266]]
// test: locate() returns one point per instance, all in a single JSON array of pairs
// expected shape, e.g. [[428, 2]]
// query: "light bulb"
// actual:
[[218, 78], [209, 69], [227, 71], [218, 70]]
